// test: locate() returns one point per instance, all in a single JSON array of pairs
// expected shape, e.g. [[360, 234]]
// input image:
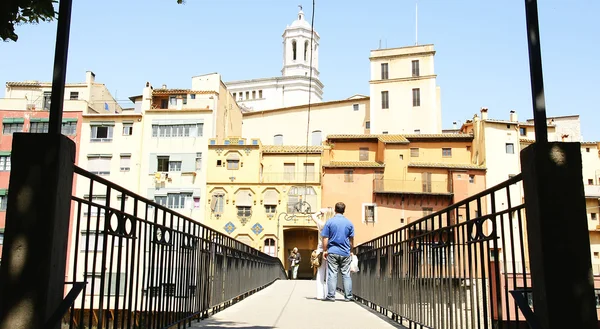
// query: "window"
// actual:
[[369, 213], [199, 161], [446, 152], [348, 176], [1, 238], [414, 152], [47, 100], [175, 200], [278, 140], [417, 131], [294, 50], [74, 95], [416, 96], [384, 132], [309, 171], [401, 156], [219, 163], [260, 94], [233, 95], [289, 171], [162, 164], [5, 163], [38, 127], [510, 148], [427, 211], [69, 128], [472, 179], [316, 138], [95, 211], [244, 200], [270, 209], [3, 202], [426, 180], [368, 125], [468, 148], [363, 154], [164, 103], [174, 165], [355, 107], [99, 164], [594, 216], [384, 71], [270, 248], [522, 131], [301, 193], [587, 149], [415, 68], [173, 100], [193, 96], [590, 182], [102, 133], [184, 98], [233, 161], [87, 243], [178, 130], [9, 128], [244, 211], [385, 101], [217, 203], [127, 129], [247, 95], [197, 202], [254, 94], [305, 51], [125, 162]]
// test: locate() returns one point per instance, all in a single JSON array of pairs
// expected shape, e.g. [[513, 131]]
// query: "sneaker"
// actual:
[[329, 300]]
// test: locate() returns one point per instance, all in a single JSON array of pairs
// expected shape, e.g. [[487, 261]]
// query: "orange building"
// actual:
[[388, 181]]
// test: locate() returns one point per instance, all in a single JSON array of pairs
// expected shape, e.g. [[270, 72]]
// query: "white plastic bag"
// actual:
[[354, 264]]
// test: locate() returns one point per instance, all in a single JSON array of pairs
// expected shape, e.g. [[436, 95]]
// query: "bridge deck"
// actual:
[[291, 304]]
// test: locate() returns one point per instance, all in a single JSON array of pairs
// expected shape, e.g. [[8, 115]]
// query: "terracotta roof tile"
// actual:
[[291, 149], [158, 92], [354, 164], [402, 139], [445, 165]]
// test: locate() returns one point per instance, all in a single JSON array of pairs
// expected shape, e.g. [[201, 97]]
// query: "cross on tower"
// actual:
[[300, 6]]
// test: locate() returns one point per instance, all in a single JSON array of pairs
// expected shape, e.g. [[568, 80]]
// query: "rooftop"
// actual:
[[466, 166], [354, 164], [160, 92], [292, 149], [312, 106]]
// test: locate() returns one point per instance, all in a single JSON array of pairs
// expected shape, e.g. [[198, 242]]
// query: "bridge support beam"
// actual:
[[559, 243], [32, 275]]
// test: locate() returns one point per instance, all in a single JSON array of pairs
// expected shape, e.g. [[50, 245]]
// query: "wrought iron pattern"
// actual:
[[451, 269], [147, 266]]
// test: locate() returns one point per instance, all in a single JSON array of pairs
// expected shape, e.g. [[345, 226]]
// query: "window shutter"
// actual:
[[152, 163], [271, 198]]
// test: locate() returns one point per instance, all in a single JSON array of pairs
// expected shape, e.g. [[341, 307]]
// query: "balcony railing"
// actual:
[[291, 177], [410, 186]]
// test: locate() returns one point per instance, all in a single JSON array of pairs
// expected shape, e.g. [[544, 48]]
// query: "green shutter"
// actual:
[[69, 119], [4, 153], [3, 192], [39, 120], [13, 120]]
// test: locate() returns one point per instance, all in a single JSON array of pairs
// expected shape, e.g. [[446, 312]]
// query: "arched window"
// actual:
[[297, 194], [305, 50], [270, 248], [316, 138], [278, 139], [294, 49]]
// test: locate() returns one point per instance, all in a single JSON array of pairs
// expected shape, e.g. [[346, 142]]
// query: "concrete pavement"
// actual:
[[291, 305]]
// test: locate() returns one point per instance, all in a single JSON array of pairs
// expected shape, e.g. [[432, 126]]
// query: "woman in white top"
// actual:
[[321, 277]]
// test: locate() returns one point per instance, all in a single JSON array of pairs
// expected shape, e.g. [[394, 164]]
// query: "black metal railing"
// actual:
[[147, 266], [452, 269]]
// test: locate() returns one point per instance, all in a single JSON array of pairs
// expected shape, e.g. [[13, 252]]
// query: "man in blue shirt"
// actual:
[[338, 241]]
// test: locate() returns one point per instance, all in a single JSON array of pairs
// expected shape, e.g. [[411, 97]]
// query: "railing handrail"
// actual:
[[517, 178]]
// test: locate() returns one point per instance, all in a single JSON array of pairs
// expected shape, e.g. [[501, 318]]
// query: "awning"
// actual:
[[39, 120], [3, 192], [102, 123], [13, 120], [233, 156], [271, 198], [243, 198]]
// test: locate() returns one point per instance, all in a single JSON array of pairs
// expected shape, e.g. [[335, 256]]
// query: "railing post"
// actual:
[[32, 275], [558, 237]]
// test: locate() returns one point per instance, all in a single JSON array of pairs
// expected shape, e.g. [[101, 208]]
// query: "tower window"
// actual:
[[385, 101], [294, 50], [305, 51], [415, 68], [384, 71], [416, 97]]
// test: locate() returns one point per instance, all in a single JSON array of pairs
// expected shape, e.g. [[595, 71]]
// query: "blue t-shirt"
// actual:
[[339, 230]]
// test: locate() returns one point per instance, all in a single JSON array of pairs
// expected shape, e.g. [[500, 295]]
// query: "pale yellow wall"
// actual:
[[350, 151], [591, 163], [329, 118], [229, 115]]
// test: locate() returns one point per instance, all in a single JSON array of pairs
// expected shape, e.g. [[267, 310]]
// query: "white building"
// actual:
[[293, 87]]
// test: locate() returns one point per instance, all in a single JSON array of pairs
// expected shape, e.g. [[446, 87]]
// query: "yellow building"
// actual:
[[259, 194]]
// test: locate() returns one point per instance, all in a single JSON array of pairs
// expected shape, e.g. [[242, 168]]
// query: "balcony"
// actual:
[[22, 104], [291, 177], [410, 186], [592, 191]]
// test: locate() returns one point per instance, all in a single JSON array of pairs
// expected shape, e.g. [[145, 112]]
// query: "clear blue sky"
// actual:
[[481, 58]]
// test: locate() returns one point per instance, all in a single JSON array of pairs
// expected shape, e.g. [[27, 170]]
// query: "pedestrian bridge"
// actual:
[[291, 304]]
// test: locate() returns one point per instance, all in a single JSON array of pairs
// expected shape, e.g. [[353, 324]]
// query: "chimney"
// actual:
[[164, 86], [90, 77], [513, 116], [484, 113], [454, 125]]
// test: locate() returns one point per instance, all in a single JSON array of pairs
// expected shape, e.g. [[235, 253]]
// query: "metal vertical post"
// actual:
[[60, 66], [535, 72]]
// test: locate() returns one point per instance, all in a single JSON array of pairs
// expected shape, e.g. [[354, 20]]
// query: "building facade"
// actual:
[[296, 86], [405, 98], [388, 181], [259, 194]]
